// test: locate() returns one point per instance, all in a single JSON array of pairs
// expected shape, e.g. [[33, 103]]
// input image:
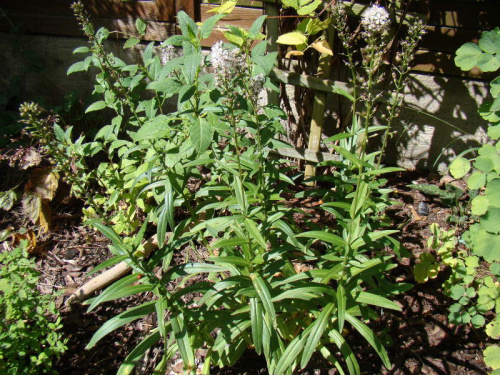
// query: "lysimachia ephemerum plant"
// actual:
[[267, 284], [482, 173]]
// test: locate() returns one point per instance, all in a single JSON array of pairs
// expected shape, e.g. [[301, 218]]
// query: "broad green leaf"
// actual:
[[292, 39], [369, 336], [188, 27], [476, 180], [135, 355], [141, 26], [493, 329], [77, 67], [209, 24], [97, 106], [316, 333], [459, 167], [490, 42], [494, 132], [191, 66], [308, 8], [131, 43], [467, 56], [323, 236], [492, 192], [479, 205], [156, 128], [491, 220], [426, 268], [492, 356], [201, 134], [256, 27], [121, 319], [166, 86], [225, 8], [486, 245], [484, 164], [7, 199]]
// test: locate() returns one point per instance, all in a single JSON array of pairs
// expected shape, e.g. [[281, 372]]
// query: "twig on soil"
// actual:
[[107, 277]]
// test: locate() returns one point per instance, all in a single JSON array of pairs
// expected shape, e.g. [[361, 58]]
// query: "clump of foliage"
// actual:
[[203, 178], [482, 173], [29, 324]]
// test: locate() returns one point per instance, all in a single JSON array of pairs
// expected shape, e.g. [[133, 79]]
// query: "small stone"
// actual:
[[71, 253], [423, 209]]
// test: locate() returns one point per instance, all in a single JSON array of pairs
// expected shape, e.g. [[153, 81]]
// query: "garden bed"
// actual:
[[419, 340]]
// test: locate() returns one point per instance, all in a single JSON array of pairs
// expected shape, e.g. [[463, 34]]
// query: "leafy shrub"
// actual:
[[29, 337], [284, 289], [477, 293]]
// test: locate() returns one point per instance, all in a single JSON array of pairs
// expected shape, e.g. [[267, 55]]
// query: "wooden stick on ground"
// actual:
[[104, 279]]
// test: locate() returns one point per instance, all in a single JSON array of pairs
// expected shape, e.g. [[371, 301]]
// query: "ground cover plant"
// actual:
[[29, 338], [235, 269]]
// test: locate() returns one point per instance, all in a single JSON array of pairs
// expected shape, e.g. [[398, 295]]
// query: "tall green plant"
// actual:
[[268, 284]]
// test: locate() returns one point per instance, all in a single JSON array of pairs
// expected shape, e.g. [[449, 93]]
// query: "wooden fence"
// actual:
[[450, 23]]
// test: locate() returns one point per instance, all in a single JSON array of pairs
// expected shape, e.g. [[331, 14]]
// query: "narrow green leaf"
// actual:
[[121, 319], [265, 297], [341, 307], [323, 236], [375, 300], [107, 263], [240, 195], [347, 353], [135, 355], [256, 317], [111, 290], [183, 341], [317, 331], [291, 353], [371, 237], [254, 232], [369, 336]]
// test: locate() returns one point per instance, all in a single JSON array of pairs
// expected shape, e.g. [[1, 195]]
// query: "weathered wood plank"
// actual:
[[324, 85], [447, 39], [305, 154], [443, 63], [68, 26], [239, 17], [160, 10]]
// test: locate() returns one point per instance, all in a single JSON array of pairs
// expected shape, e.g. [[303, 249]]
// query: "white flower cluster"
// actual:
[[167, 53], [227, 64], [375, 20]]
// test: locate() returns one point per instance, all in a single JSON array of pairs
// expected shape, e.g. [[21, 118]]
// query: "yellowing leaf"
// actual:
[[44, 183], [32, 205], [323, 47], [225, 8], [294, 53], [45, 217], [292, 39]]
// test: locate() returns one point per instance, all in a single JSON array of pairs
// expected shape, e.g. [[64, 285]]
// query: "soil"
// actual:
[[419, 340]]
